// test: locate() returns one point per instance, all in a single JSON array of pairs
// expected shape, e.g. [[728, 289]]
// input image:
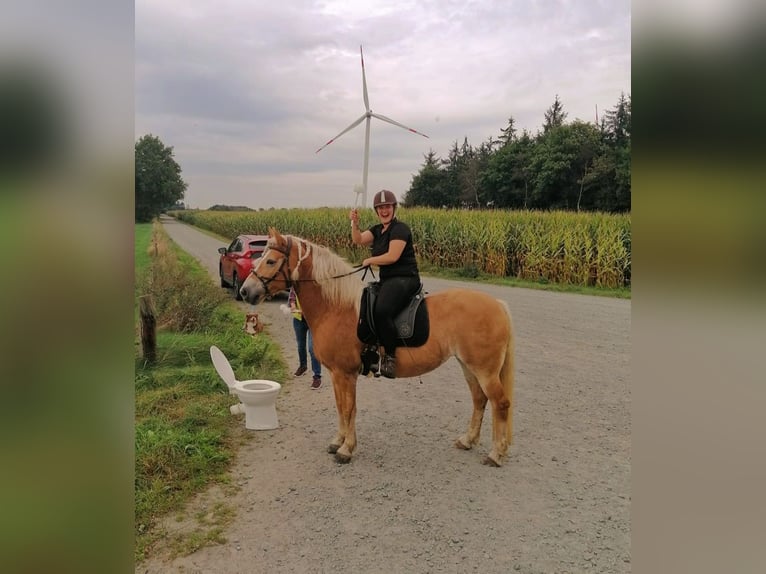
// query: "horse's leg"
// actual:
[[340, 436], [344, 443], [471, 437], [500, 419]]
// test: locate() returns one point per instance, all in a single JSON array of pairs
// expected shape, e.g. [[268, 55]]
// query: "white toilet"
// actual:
[[258, 396]]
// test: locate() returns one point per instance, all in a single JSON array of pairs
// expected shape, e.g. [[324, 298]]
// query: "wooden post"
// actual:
[[148, 328]]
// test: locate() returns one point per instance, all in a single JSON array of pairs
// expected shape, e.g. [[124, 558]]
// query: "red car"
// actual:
[[237, 260]]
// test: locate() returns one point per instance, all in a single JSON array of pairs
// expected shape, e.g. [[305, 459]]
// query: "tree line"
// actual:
[[566, 166], [569, 166]]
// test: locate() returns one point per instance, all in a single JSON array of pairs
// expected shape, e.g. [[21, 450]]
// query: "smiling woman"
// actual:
[[393, 252]]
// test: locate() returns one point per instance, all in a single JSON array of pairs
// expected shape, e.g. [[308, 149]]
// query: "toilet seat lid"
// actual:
[[221, 364]]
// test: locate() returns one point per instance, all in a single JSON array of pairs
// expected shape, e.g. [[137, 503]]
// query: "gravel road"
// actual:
[[409, 501]]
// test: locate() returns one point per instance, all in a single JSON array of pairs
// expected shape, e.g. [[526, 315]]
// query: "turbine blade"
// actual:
[[390, 121], [364, 83], [351, 127]]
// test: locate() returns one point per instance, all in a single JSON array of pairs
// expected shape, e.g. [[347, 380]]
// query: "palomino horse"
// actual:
[[468, 325]]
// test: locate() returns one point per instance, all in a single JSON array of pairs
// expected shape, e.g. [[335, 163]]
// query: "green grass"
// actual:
[[185, 436], [143, 238], [210, 530]]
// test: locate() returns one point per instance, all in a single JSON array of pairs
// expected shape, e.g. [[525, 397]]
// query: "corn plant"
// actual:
[[589, 249]]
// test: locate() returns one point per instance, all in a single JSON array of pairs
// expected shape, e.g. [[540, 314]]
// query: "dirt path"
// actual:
[[409, 501]]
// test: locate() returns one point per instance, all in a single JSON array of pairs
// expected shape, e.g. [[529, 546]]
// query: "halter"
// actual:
[[286, 258]]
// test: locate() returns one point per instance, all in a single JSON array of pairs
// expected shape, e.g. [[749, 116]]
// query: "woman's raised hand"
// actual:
[[354, 217]]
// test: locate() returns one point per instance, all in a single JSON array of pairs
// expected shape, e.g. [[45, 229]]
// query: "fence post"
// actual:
[[148, 328]]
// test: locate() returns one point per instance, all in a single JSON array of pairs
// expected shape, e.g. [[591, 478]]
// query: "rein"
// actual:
[[286, 274], [357, 269]]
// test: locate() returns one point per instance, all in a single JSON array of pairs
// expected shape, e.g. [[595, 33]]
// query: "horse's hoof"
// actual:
[[333, 448], [342, 458], [489, 461], [459, 444]]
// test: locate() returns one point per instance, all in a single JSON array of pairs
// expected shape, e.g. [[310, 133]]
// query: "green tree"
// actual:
[[587, 147], [508, 133], [612, 171], [505, 179], [521, 172], [575, 165], [158, 178], [561, 163], [501, 171], [477, 168], [467, 176], [554, 116], [453, 168], [617, 122], [427, 188]]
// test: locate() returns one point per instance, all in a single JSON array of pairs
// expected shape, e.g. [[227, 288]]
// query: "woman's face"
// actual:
[[385, 213]]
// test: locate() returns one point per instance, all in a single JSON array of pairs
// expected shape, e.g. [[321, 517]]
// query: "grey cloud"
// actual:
[[247, 93]]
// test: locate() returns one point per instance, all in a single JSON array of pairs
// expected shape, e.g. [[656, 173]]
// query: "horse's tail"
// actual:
[[506, 372]]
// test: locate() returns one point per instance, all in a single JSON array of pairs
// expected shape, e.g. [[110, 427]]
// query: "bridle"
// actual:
[[285, 272]]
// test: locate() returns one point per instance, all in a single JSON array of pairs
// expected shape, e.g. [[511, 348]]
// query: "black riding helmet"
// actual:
[[384, 197]]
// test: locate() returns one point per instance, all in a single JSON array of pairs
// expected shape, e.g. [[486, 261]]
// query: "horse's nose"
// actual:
[[243, 293]]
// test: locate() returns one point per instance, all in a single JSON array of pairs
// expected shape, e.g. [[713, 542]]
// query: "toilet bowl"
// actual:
[[258, 396]]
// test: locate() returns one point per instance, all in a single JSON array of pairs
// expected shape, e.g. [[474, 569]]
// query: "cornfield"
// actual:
[[587, 249]]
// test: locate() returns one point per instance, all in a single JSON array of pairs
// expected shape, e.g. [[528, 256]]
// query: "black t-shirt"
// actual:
[[407, 265]]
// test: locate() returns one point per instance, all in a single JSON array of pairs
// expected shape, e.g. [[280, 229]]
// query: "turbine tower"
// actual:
[[368, 114]]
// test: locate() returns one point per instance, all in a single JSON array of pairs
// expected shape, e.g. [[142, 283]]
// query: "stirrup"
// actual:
[[388, 367]]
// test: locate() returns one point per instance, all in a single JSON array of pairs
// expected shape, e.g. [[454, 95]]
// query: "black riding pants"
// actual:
[[394, 294]]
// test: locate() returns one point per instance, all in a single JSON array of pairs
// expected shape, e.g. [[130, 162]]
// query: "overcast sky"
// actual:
[[246, 91]]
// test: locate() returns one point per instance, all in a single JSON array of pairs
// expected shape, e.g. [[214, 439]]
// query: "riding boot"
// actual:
[[388, 366]]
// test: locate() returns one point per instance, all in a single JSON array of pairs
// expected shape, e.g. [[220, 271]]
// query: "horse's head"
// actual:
[[272, 272]]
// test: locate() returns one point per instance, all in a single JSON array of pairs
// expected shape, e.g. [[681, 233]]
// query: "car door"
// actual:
[[229, 263]]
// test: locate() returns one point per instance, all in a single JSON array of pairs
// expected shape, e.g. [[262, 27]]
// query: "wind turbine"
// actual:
[[368, 114]]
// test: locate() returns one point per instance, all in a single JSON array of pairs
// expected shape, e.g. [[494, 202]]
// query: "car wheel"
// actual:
[[220, 274], [237, 287]]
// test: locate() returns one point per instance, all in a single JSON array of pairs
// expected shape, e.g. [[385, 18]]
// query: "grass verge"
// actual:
[[185, 437]]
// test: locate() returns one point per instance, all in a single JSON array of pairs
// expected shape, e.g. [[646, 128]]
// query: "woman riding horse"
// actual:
[[394, 254], [471, 326]]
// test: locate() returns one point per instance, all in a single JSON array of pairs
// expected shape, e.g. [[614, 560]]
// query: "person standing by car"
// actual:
[[302, 333], [393, 252]]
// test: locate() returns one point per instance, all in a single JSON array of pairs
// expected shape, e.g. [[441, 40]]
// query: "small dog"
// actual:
[[253, 325]]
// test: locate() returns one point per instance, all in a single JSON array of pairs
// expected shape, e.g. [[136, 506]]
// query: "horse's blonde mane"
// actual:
[[330, 271]]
